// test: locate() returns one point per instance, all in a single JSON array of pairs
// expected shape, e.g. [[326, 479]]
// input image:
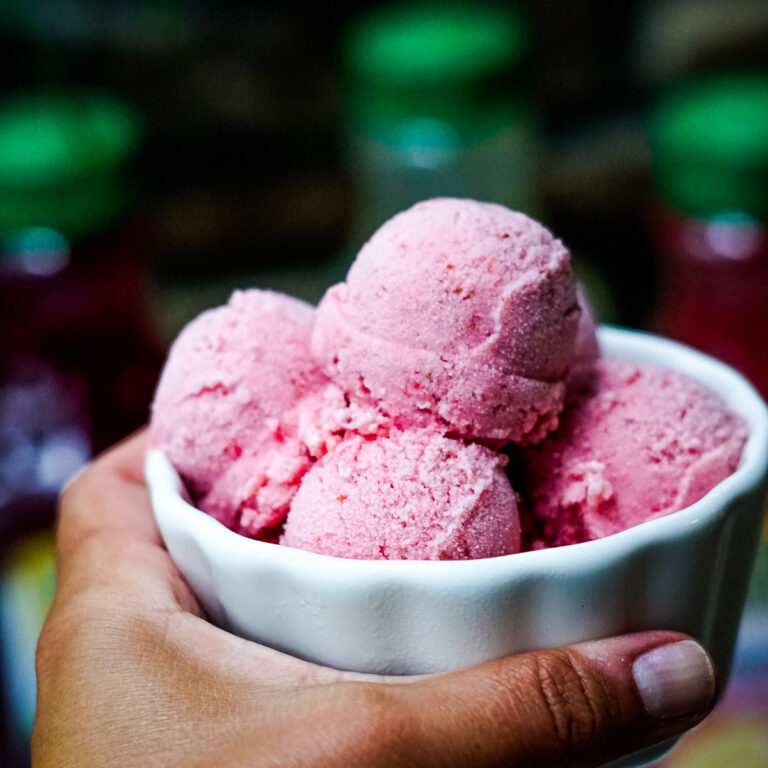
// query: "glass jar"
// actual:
[[709, 145], [436, 105]]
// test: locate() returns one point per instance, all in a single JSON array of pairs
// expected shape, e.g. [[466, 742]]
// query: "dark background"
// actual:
[[243, 177]]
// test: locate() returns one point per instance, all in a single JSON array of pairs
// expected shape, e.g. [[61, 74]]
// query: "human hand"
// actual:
[[130, 674]]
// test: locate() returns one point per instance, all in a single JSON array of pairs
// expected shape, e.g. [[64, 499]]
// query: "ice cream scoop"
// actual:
[[222, 409], [411, 495], [457, 315], [638, 443]]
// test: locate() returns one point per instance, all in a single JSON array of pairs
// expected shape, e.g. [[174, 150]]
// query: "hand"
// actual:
[[131, 674]]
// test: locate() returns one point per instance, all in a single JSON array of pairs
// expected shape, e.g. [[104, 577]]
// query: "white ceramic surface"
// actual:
[[687, 571]]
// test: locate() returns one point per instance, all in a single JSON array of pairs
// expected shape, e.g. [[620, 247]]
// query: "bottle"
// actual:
[[709, 226], [435, 105]]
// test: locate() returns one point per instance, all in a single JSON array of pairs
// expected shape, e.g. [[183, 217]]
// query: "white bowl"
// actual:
[[687, 571]]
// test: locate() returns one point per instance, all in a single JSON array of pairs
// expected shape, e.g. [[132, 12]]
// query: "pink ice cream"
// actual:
[[587, 348], [222, 410], [374, 423], [456, 315], [638, 443], [411, 495]]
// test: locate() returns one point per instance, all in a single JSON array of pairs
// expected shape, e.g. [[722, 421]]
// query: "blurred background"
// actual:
[[156, 154]]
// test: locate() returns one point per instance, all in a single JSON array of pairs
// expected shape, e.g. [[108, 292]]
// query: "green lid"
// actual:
[[709, 144], [433, 44], [60, 154], [430, 60]]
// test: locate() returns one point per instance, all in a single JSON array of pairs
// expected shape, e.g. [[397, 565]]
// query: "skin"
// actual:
[[131, 674]]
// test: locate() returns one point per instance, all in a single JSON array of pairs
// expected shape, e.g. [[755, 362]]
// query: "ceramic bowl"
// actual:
[[687, 571]]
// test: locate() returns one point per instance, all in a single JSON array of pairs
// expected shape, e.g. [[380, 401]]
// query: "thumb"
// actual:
[[582, 704]]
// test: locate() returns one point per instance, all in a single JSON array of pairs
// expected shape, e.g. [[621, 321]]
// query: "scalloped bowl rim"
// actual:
[[635, 346]]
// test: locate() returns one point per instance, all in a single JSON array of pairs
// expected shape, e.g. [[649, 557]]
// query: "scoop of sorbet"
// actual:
[[219, 410], [457, 315], [636, 443], [411, 495]]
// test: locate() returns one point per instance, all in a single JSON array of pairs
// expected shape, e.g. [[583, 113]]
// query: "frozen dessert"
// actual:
[[222, 410], [411, 495], [372, 427], [637, 442], [586, 349], [242, 409], [457, 315]]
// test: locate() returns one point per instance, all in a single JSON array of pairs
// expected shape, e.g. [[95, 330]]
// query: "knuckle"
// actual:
[[578, 708]]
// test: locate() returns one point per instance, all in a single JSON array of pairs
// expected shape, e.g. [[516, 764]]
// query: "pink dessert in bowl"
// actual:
[[412, 495], [456, 314], [242, 408], [388, 470], [225, 396], [635, 442]]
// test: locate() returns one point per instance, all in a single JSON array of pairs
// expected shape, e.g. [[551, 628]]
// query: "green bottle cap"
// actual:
[[434, 61], [60, 160], [709, 145]]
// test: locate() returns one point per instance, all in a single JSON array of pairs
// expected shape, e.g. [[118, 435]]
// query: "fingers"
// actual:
[[111, 549], [107, 536], [109, 494], [581, 705]]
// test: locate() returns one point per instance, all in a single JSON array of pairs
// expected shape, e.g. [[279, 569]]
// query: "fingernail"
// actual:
[[675, 680]]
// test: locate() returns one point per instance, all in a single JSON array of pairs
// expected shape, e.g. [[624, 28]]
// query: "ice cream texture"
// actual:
[[458, 315], [222, 409], [372, 427], [411, 495], [637, 442], [242, 409]]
